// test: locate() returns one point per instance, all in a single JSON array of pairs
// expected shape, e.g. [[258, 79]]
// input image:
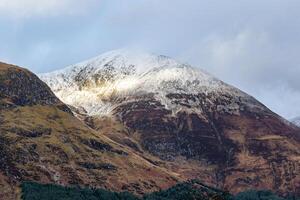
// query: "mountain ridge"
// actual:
[[200, 126]]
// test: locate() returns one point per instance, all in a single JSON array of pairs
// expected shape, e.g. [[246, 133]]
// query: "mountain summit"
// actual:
[[196, 125], [98, 83]]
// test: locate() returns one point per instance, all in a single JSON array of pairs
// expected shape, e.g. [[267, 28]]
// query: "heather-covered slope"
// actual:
[[19, 87], [41, 140]]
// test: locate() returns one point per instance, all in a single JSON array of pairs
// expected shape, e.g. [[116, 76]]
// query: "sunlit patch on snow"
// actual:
[[126, 84]]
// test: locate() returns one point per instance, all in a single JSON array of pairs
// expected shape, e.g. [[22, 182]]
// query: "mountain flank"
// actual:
[[197, 125], [41, 140]]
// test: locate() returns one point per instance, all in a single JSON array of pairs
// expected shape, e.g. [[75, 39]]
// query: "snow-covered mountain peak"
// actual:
[[120, 59], [296, 121], [117, 74], [111, 67]]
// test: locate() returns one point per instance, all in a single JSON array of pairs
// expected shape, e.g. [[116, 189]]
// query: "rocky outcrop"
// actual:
[[19, 87]]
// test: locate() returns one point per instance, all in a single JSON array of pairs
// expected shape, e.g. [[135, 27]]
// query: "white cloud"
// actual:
[[32, 8]]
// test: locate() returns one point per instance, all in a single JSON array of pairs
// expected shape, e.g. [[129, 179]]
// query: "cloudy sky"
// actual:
[[252, 44]]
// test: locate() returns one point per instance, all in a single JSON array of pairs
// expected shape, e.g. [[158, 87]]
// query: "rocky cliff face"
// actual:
[[198, 126], [41, 140]]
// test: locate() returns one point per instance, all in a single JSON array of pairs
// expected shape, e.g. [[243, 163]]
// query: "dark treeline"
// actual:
[[192, 190]]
